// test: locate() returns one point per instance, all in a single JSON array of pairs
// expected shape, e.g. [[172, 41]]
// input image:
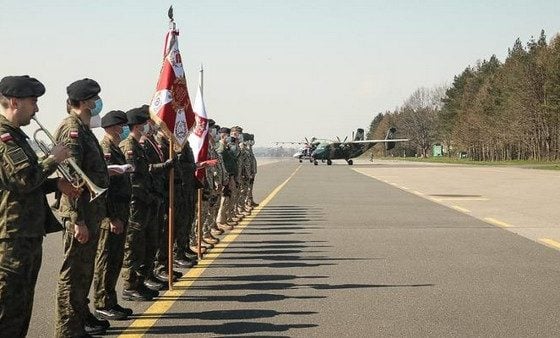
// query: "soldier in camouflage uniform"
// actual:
[[82, 216], [137, 263], [215, 178], [223, 150], [253, 169], [244, 161], [110, 249], [233, 211], [23, 184]]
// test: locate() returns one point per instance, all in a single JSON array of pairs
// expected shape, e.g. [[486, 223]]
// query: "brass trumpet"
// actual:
[[79, 179]]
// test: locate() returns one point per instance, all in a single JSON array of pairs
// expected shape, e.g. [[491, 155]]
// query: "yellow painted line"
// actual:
[[550, 242], [140, 326], [440, 199], [496, 222], [461, 209]]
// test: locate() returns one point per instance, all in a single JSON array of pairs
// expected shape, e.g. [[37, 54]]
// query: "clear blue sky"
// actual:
[[282, 69]]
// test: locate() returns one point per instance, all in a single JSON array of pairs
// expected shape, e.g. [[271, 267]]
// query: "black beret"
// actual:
[[224, 130], [82, 90], [21, 86], [217, 127], [137, 115], [248, 137], [211, 123], [113, 118]]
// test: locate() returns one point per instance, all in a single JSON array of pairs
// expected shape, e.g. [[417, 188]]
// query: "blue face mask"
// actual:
[[124, 133], [98, 106]]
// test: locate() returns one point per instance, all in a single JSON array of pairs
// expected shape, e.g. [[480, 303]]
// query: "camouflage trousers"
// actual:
[[108, 263], [74, 283], [140, 244], [20, 260], [208, 217]]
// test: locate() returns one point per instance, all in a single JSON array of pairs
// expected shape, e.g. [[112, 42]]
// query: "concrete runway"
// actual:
[[334, 252]]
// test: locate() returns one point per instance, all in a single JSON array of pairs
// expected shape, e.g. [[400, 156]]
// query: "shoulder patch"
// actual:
[[16, 156], [73, 134], [6, 137]]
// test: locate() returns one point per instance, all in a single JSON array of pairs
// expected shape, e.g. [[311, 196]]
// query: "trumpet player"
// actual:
[[23, 184], [81, 216]]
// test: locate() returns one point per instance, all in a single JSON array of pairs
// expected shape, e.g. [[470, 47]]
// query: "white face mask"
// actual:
[[95, 121]]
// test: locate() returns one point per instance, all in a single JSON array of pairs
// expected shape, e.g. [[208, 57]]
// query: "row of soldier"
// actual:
[[122, 230]]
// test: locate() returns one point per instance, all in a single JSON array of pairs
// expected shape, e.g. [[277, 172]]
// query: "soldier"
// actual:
[[82, 216], [110, 250], [244, 164], [159, 168], [161, 268], [223, 150], [23, 184], [186, 168], [234, 141], [138, 259], [215, 178], [250, 142]]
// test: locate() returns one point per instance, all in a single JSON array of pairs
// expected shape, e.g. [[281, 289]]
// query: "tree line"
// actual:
[[492, 111]]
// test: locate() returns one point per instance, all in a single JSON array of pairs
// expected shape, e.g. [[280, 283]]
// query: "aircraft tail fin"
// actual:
[[359, 135], [390, 135]]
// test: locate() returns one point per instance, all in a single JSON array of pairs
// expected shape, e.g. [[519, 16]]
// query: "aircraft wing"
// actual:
[[290, 142], [373, 141]]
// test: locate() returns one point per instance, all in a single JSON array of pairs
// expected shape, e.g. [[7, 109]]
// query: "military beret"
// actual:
[[137, 115], [224, 130], [82, 90], [211, 123], [237, 128], [114, 117], [248, 137], [217, 127], [21, 86]]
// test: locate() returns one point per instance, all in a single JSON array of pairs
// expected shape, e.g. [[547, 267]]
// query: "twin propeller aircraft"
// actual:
[[329, 150]]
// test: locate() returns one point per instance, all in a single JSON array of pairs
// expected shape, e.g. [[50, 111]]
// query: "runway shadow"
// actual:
[[267, 269]]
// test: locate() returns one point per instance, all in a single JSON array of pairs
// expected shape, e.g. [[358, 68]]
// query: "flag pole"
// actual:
[[171, 218], [199, 202]]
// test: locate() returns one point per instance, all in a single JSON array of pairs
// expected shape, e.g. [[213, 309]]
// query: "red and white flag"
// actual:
[[198, 139], [171, 106]]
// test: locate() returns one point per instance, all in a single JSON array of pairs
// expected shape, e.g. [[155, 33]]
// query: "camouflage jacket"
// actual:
[[23, 184], [253, 159], [244, 165], [216, 176], [140, 178], [88, 155], [228, 157], [118, 196]]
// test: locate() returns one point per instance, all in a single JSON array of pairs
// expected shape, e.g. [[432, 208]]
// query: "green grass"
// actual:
[[529, 164]]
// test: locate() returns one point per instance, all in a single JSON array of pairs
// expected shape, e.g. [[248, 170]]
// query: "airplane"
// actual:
[[329, 150]]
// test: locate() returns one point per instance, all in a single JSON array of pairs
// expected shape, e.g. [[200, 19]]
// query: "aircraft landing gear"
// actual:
[[315, 162], [350, 162], [300, 161], [329, 162]]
